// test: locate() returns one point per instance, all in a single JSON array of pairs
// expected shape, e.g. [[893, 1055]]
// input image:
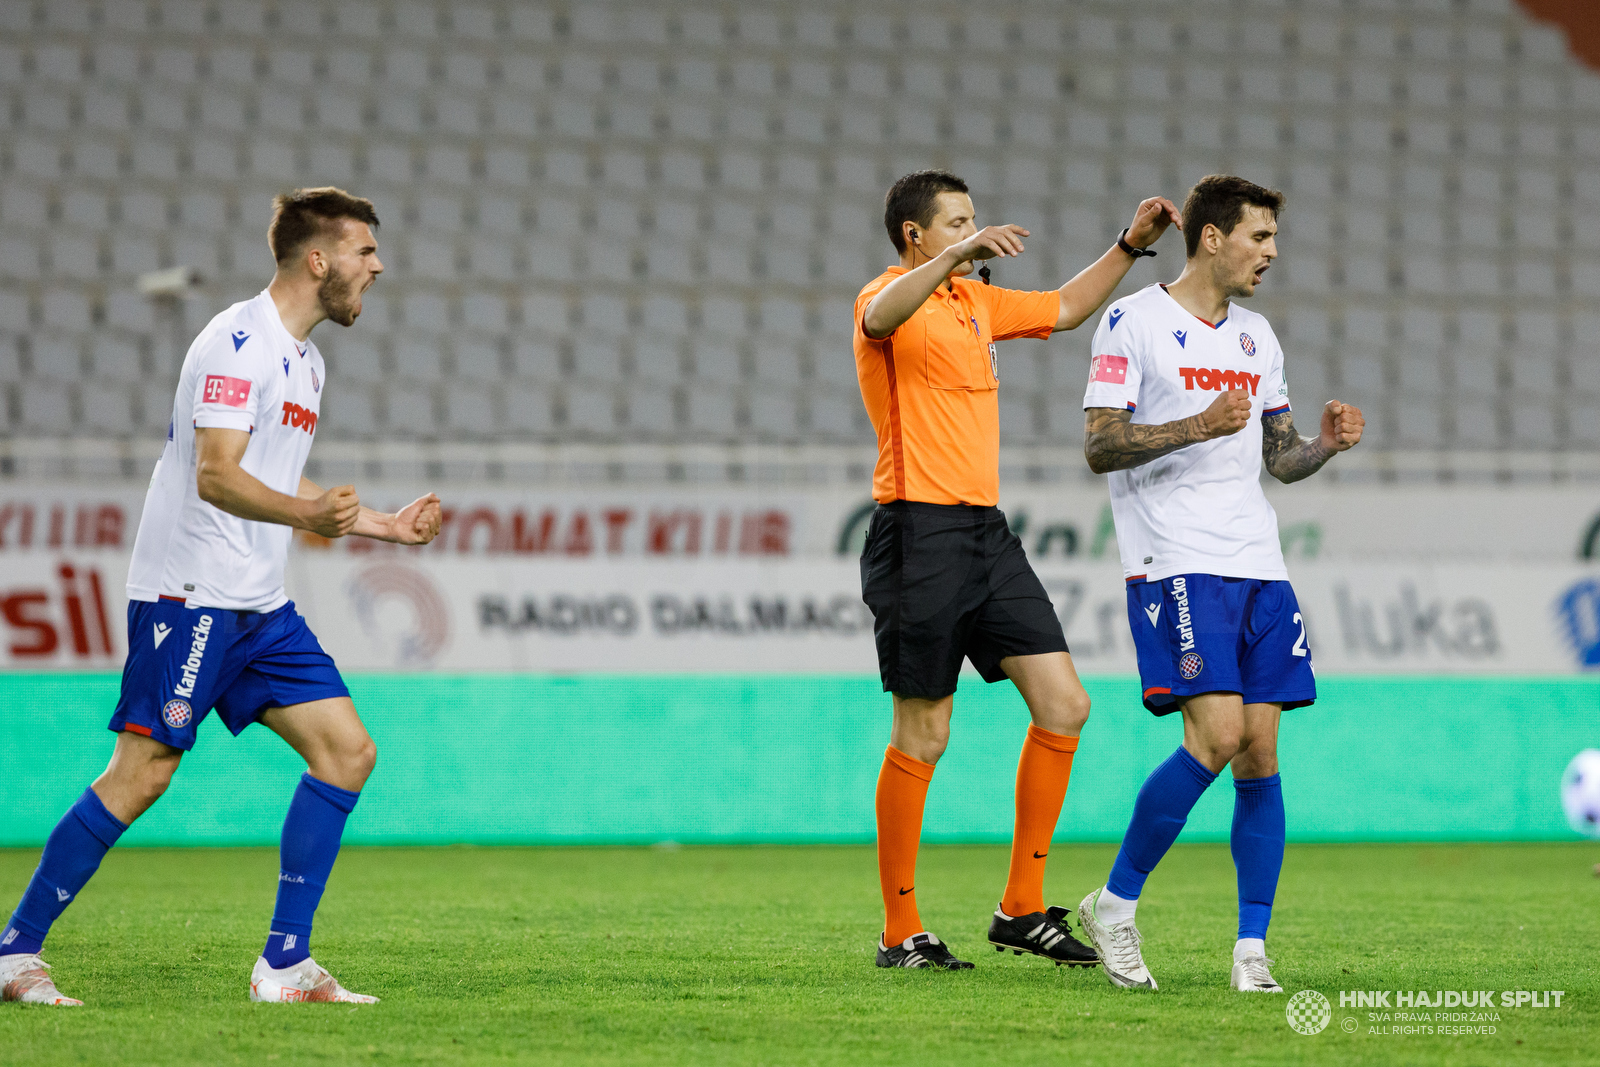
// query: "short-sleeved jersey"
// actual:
[[931, 388], [1199, 510], [244, 372]]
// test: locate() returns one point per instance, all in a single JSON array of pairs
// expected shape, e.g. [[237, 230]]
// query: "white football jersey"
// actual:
[[244, 372], [1199, 510]]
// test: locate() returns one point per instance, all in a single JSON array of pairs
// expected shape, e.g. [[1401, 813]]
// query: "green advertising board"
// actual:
[[501, 759]]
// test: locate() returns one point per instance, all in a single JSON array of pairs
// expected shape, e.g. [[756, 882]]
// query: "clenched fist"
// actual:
[[418, 522], [334, 513], [1341, 426], [1228, 414]]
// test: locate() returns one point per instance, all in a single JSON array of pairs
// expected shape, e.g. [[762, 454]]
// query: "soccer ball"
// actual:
[[1580, 792]]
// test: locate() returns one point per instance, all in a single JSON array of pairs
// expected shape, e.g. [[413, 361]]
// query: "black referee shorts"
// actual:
[[947, 582]]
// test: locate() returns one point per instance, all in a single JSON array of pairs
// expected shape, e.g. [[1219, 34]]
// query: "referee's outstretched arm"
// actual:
[[950, 242], [1093, 286]]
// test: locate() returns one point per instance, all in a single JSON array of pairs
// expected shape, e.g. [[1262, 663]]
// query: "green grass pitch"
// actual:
[[764, 956]]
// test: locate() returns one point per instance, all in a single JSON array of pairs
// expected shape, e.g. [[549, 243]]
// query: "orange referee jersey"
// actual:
[[931, 388]]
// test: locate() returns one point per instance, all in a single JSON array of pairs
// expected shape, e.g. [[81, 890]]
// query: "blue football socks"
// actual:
[[1258, 835], [72, 854], [310, 844], [1164, 803]]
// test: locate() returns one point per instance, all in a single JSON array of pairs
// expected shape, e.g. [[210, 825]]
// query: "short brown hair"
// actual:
[[299, 216], [1219, 200], [914, 198]]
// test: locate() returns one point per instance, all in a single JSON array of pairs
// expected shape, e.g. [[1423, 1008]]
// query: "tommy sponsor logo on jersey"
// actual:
[[1218, 380], [222, 389], [298, 417], [197, 652], [1185, 625]]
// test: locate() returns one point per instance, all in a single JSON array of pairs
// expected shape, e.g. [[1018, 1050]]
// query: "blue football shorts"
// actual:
[[1201, 633], [183, 661]]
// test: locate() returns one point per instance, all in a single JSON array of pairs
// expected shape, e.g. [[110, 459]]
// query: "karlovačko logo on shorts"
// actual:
[[1308, 1012], [190, 668]]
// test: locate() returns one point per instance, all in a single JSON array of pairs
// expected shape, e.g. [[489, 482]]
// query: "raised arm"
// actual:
[[1289, 457], [222, 483], [900, 299], [1113, 443], [415, 524], [1093, 286]]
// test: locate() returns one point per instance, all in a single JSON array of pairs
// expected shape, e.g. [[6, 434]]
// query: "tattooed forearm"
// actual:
[[1113, 443], [1288, 456]]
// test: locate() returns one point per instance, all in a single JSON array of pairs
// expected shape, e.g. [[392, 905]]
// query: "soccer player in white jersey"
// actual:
[[1186, 401], [209, 625]]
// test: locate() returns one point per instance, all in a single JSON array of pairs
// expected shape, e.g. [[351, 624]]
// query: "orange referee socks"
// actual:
[[902, 790], [1042, 776]]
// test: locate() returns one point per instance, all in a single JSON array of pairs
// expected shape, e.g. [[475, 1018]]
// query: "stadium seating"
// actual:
[[603, 223]]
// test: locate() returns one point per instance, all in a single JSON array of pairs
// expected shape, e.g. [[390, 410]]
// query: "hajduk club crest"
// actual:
[[1246, 343], [177, 714]]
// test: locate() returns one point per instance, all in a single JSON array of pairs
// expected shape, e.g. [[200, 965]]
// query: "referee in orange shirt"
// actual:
[[942, 572]]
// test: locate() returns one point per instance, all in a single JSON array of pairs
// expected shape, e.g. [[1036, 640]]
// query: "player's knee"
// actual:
[[929, 742], [360, 760], [1220, 747], [153, 780], [1075, 708], [1256, 760]]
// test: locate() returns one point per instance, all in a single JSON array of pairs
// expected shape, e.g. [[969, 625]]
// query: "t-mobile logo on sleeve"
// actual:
[[1108, 368], [221, 389]]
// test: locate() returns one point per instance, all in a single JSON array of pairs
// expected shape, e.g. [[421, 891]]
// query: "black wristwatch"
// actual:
[[1122, 243]]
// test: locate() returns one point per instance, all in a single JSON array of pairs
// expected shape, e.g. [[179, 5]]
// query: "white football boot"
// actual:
[[23, 979], [1117, 946], [305, 981], [1250, 975]]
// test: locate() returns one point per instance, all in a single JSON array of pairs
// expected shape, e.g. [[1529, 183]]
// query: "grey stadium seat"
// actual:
[[613, 195]]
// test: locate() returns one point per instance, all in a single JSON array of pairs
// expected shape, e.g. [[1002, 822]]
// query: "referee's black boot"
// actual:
[[920, 950], [1044, 933]]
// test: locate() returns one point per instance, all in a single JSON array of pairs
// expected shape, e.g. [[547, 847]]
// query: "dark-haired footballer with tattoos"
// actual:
[[1186, 401]]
